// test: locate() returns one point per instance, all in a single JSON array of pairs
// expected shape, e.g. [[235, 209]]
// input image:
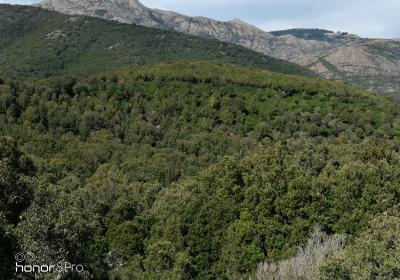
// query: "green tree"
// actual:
[[17, 184]]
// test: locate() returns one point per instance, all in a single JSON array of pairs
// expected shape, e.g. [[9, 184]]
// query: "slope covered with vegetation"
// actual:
[[39, 43], [191, 170], [304, 33]]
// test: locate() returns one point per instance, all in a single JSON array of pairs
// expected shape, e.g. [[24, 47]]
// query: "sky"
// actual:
[[367, 18]]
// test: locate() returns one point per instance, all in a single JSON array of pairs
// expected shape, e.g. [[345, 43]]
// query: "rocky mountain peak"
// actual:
[[240, 23], [82, 6], [93, 3], [127, 11]]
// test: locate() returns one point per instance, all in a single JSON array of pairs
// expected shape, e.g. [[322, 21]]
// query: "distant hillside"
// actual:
[[370, 63], [39, 43], [314, 34]]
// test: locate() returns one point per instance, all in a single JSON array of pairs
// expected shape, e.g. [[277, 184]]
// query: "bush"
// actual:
[[304, 265]]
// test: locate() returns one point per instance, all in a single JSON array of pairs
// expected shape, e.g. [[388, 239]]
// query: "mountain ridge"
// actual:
[[340, 55], [39, 43]]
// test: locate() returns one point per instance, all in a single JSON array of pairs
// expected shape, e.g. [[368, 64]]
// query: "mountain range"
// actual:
[[371, 63], [37, 43]]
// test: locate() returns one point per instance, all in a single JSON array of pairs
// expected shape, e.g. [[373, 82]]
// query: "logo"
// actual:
[[25, 263]]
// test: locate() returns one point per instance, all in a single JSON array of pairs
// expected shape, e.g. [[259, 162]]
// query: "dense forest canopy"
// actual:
[[195, 170]]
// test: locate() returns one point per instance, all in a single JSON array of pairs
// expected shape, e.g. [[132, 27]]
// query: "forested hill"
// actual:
[[39, 43], [309, 34], [192, 170]]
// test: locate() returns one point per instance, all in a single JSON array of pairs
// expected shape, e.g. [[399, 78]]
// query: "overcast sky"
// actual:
[[368, 18]]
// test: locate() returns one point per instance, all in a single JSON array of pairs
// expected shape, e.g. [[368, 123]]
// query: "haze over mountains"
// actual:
[[371, 63]]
